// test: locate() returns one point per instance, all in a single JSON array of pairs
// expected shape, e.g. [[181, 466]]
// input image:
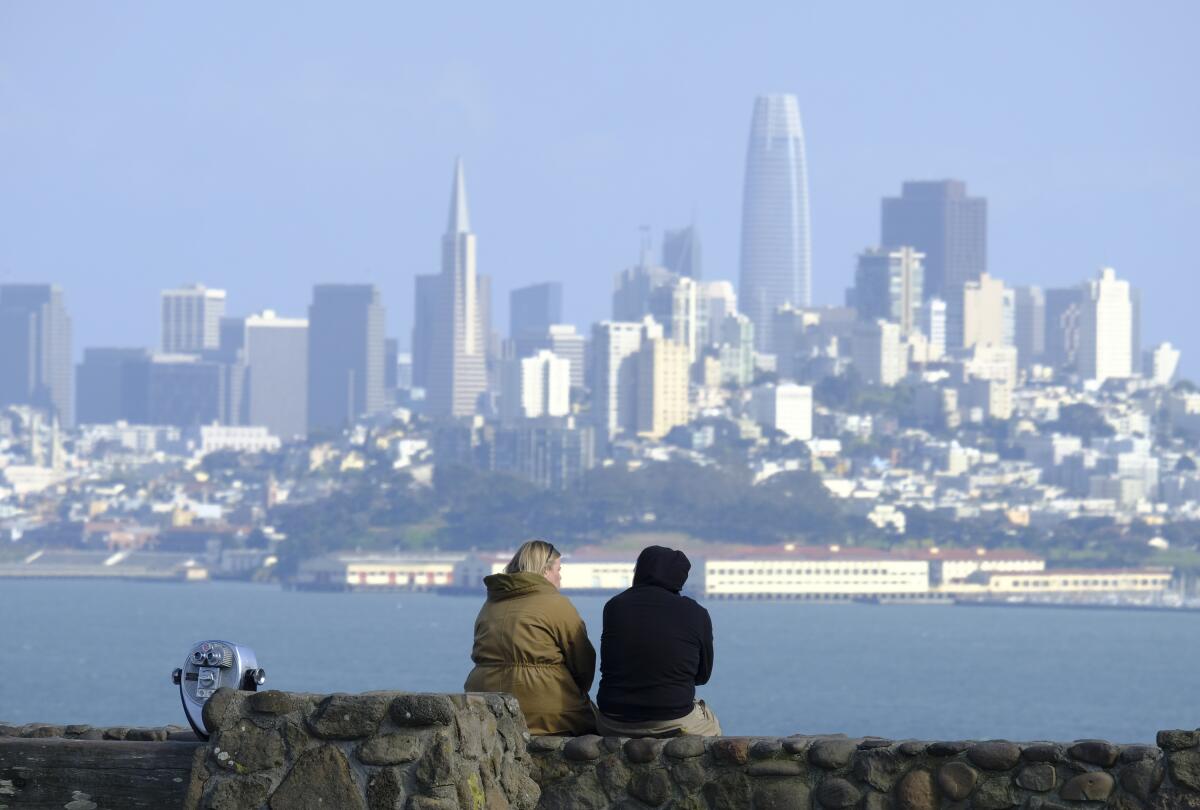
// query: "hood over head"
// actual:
[[510, 586], [664, 567]]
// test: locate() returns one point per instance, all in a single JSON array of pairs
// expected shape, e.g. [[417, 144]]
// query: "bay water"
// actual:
[[101, 652]]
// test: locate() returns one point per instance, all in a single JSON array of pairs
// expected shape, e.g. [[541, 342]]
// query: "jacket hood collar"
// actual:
[[664, 567], [509, 586]]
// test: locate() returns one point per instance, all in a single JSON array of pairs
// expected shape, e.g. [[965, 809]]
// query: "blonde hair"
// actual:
[[533, 557]]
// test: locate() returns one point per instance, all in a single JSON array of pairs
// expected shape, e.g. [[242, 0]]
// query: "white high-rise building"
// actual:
[[717, 299], [615, 347], [933, 325], [776, 260], [976, 314], [879, 353], [675, 305], [458, 345], [1106, 328], [191, 319], [662, 387], [787, 407], [276, 356], [535, 386], [1161, 363]]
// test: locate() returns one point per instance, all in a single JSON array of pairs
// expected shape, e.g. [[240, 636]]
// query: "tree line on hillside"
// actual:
[[467, 508]]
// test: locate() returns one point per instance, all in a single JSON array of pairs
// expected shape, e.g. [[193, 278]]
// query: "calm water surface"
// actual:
[[102, 653]]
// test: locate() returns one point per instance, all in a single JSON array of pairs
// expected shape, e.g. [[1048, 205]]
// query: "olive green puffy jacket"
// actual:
[[531, 643]]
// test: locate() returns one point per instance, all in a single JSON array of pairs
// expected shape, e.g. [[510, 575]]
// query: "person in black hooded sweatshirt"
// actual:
[[655, 649]]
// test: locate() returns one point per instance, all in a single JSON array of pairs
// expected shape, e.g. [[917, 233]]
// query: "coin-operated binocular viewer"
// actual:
[[209, 666]]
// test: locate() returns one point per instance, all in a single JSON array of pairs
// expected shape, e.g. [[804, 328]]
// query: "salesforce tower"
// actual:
[[776, 261]]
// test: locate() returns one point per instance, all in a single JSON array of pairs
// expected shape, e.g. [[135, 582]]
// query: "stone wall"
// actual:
[[405, 751], [381, 750], [799, 773]]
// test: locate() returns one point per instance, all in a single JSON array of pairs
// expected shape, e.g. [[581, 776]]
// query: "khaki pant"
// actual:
[[701, 722]]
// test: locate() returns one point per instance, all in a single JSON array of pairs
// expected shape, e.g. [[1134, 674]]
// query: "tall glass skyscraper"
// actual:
[[776, 243], [35, 350]]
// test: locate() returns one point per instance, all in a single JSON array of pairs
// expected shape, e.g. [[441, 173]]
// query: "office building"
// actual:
[[633, 289], [1029, 324], [191, 319], [35, 350], [1063, 309], [1160, 364], [565, 341], [391, 368], [531, 312], [345, 355], [942, 222], [425, 303], [681, 252], [614, 384], [460, 329], [662, 387], [878, 352], [888, 284], [1106, 328], [776, 251], [715, 300], [736, 350], [933, 326], [675, 305], [535, 386], [181, 390], [276, 358], [975, 313], [785, 407], [102, 392]]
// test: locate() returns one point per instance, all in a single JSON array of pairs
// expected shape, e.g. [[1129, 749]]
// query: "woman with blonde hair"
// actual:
[[531, 643]]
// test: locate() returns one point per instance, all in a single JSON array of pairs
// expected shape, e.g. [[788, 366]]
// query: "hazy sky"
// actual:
[[264, 147]]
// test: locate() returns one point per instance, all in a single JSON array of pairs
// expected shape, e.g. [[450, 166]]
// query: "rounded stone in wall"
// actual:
[[584, 749], [652, 787], [640, 751], [546, 744], [1178, 740], [917, 791], [684, 747], [1142, 778], [995, 794], [837, 793], [1095, 752], [1042, 752], [735, 750], [957, 779], [831, 753], [1093, 786], [781, 794], [947, 748], [1038, 776], [994, 755]]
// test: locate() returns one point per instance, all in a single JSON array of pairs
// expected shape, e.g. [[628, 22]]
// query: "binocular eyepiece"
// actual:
[[212, 665]]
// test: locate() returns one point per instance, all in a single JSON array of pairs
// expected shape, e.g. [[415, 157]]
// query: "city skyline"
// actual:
[[220, 166]]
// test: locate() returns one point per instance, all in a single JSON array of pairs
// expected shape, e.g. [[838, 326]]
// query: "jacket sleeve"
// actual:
[[577, 650], [704, 671]]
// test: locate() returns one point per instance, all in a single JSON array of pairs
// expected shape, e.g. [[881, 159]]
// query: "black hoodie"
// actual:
[[657, 646]]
